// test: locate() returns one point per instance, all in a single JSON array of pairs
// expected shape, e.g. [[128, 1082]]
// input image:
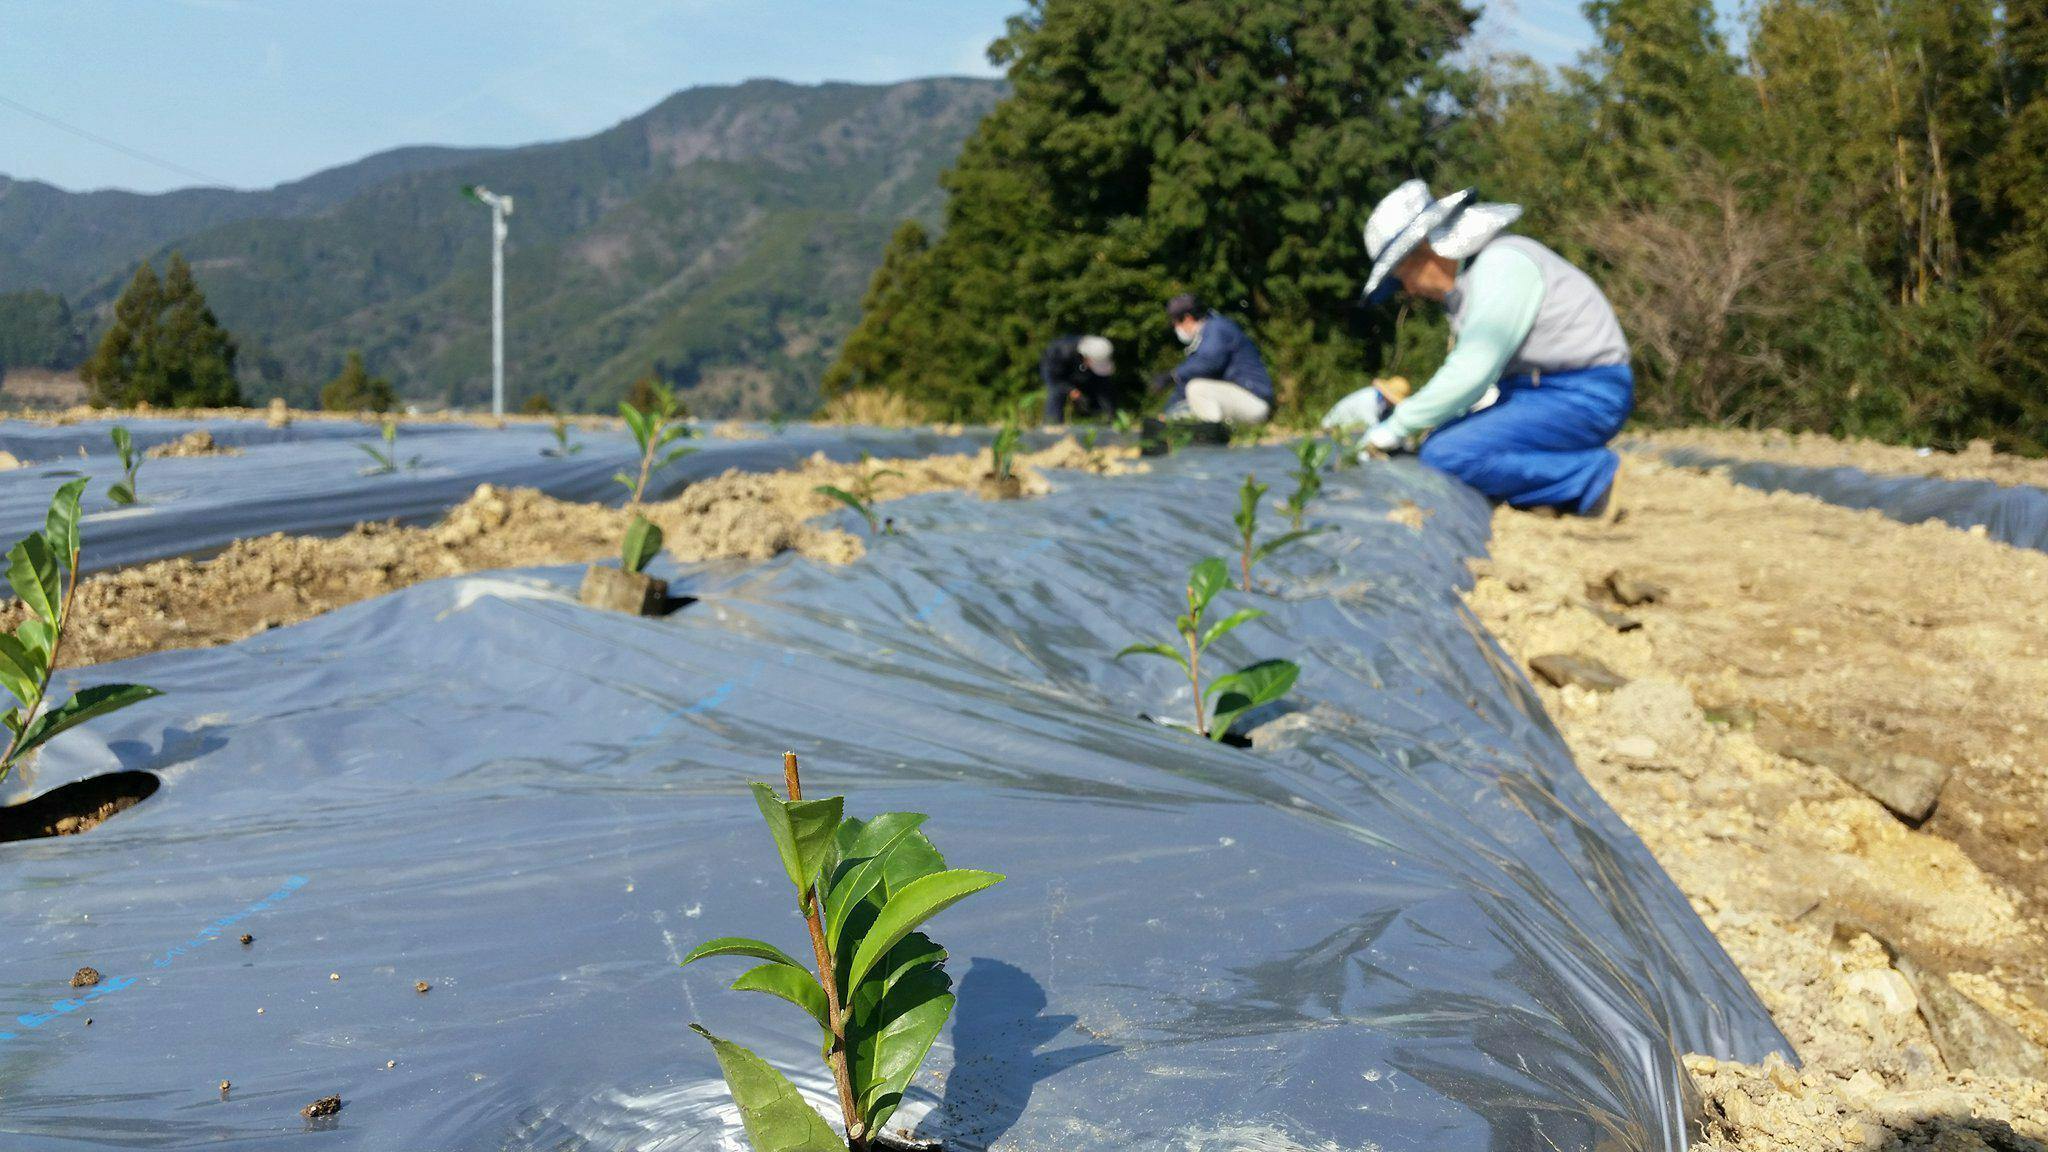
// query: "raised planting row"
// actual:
[[1398, 918], [2016, 514], [139, 509]]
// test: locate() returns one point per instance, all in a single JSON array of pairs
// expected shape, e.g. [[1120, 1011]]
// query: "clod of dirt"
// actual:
[[8, 462], [1559, 669], [1409, 514], [334, 975], [85, 977], [247, 939], [1001, 487], [198, 442], [1630, 592], [225, 1086], [423, 987], [280, 413], [321, 1108]]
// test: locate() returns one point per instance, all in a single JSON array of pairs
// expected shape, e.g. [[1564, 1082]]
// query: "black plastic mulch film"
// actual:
[[1402, 921], [2015, 514]]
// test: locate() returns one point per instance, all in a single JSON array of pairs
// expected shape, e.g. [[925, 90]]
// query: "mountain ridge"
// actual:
[[721, 238]]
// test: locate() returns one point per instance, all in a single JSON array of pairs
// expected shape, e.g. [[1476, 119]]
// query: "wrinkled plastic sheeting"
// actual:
[[1403, 921], [36, 441], [2016, 514], [198, 505]]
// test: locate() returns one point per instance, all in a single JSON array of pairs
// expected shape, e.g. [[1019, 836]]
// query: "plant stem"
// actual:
[[1246, 586], [856, 1128], [1195, 670]]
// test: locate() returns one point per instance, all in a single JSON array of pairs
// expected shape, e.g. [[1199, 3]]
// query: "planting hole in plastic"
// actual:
[[77, 807]]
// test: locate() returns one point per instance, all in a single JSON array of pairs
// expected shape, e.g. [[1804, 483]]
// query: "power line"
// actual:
[[133, 153]]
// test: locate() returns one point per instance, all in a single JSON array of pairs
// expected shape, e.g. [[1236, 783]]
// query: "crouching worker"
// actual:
[[1077, 371], [1222, 379], [1522, 319]]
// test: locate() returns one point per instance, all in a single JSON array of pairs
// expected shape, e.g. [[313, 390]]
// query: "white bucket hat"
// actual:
[[1454, 226], [1096, 353]]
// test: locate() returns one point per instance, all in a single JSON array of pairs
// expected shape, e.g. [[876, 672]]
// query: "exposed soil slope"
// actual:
[[1789, 624]]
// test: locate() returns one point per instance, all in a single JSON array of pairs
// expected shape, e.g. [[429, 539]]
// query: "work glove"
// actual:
[[1384, 437], [1362, 409]]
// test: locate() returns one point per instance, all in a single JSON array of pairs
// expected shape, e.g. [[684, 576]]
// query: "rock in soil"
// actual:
[[1968, 1037], [1619, 621], [1629, 592], [1559, 669], [323, 1107], [1908, 785], [423, 986], [85, 977]]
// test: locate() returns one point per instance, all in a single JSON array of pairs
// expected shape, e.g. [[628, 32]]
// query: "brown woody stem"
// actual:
[[856, 1128]]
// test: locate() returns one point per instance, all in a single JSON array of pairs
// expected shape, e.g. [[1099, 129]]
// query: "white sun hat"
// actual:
[[1096, 352], [1454, 226]]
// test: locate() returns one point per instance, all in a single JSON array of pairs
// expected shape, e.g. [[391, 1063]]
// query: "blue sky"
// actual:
[[250, 93]]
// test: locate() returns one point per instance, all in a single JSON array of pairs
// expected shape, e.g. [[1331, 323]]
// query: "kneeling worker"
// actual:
[[1524, 319], [1222, 378], [1076, 371]]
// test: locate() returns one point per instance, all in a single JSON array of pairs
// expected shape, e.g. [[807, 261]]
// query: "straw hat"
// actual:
[[1454, 226]]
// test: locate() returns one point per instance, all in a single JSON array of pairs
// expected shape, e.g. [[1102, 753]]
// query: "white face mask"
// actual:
[[1185, 336]]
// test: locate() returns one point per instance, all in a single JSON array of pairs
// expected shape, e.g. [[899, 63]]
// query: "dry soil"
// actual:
[[1789, 623]]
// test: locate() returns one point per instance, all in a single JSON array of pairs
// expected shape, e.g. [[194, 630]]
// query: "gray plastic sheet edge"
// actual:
[[2015, 514]]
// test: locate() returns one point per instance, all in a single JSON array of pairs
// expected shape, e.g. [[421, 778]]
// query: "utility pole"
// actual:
[[501, 207]]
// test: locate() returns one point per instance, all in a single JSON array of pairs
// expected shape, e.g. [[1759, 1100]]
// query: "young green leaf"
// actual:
[[120, 493], [887, 1054], [776, 1116], [1209, 577], [1225, 625], [1284, 539], [916, 902], [803, 832], [97, 700], [1246, 689], [643, 543], [913, 858], [32, 572], [866, 510], [1155, 650], [857, 884], [21, 671], [60, 525], [792, 984], [740, 946]]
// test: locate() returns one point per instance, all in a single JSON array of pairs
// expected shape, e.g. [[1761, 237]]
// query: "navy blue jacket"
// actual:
[[1225, 353]]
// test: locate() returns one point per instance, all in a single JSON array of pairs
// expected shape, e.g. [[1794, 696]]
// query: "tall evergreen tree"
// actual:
[[165, 348], [355, 390], [1149, 146]]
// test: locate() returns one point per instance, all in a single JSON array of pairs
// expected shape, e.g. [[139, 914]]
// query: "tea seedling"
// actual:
[[1236, 693], [881, 994], [562, 449], [43, 571], [654, 430], [1342, 451], [642, 544], [1002, 453], [862, 498], [1311, 456], [778, 423], [1247, 521], [1122, 421], [387, 460], [123, 490]]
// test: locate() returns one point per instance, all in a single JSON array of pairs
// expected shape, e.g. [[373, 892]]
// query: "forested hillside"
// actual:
[[1843, 225], [720, 239]]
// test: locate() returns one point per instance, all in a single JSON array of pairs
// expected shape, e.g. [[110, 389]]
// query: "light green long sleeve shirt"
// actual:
[[1503, 291]]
